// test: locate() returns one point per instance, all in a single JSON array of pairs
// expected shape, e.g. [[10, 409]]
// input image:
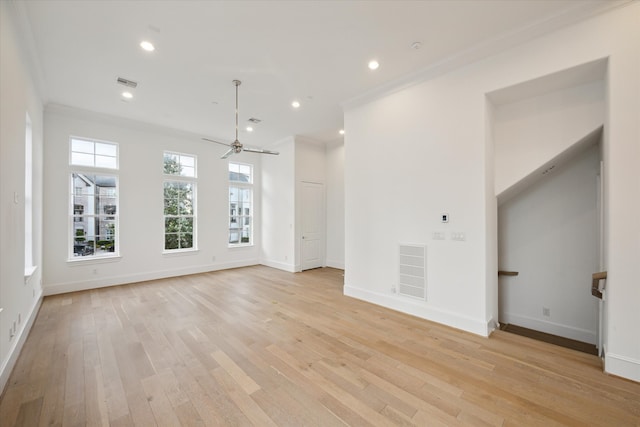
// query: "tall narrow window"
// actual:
[[28, 199], [240, 204], [93, 208], [179, 202]]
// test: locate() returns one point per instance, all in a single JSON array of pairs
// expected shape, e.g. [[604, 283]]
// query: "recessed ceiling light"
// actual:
[[148, 46], [295, 104], [373, 65], [416, 45], [249, 129], [127, 95], [341, 131]]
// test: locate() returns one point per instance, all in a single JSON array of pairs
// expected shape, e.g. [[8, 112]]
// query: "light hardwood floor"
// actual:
[[258, 346]]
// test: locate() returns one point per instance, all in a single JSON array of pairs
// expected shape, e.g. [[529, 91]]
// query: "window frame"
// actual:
[[240, 217], [179, 178], [29, 262], [73, 215], [94, 141]]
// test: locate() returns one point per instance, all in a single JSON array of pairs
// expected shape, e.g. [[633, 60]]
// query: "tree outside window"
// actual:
[[179, 202]]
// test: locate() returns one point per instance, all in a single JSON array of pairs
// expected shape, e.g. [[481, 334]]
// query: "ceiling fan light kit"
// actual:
[[236, 147]]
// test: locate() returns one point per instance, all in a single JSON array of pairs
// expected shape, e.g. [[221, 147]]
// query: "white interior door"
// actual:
[[312, 212]]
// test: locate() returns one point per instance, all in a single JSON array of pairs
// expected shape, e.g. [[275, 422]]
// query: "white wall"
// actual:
[[549, 234], [300, 159], [278, 207], [530, 132], [19, 300], [410, 157], [141, 204], [421, 151], [335, 204]]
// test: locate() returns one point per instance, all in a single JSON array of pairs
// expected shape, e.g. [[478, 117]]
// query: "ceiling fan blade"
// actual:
[[217, 142], [258, 150], [227, 154]]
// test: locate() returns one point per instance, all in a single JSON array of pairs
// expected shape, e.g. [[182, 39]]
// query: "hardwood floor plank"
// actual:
[[244, 381], [74, 405], [242, 398], [29, 413], [161, 407], [261, 347]]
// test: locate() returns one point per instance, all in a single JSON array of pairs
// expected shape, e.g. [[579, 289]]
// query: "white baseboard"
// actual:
[[18, 343], [335, 264], [291, 268], [420, 309], [622, 366], [61, 288], [548, 327]]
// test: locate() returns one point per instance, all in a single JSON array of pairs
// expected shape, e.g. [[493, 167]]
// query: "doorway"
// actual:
[[549, 234]]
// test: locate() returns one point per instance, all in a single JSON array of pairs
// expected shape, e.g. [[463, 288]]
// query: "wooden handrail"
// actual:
[[595, 283], [507, 273]]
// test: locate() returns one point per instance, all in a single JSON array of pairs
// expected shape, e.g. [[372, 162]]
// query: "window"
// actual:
[[179, 164], [240, 204], [179, 202], [29, 268], [93, 200], [94, 154]]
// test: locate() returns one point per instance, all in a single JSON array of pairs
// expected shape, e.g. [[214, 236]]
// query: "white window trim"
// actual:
[[194, 181], [100, 141], [177, 153], [116, 250], [92, 170], [29, 267], [29, 272]]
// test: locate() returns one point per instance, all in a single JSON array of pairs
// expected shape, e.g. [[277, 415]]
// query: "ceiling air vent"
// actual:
[[127, 83], [254, 120]]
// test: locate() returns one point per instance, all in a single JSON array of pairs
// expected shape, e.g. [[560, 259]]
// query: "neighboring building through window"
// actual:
[[240, 204], [179, 202], [94, 219]]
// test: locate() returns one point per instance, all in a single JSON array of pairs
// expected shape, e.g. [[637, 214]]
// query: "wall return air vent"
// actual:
[[413, 271]]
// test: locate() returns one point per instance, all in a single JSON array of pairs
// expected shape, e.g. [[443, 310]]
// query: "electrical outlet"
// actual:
[[458, 235], [393, 289], [546, 312], [438, 235], [213, 258], [95, 271]]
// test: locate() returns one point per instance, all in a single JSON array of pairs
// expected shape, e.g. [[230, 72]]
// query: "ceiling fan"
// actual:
[[236, 146]]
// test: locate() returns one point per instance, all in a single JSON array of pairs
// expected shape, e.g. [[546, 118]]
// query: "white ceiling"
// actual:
[[313, 51]]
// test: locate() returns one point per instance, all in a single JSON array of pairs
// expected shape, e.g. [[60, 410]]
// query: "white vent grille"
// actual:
[[413, 271]]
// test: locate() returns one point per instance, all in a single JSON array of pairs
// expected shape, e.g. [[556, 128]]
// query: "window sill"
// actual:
[[92, 260], [28, 272], [180, 252], [241, 245]]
